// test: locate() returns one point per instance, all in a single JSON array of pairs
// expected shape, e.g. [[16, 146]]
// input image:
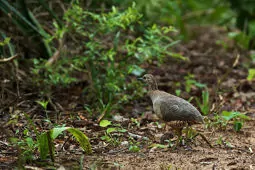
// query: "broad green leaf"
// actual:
[[110, 130], [43, 103], [227, 115], [82, 139], [178, 92], [43, 145], [122, 130], [47, 138], [200, 85], [105, 123], [231, 115], [57, 131]]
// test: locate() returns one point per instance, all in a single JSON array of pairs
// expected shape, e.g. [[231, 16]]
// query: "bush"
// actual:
[[107, 47]]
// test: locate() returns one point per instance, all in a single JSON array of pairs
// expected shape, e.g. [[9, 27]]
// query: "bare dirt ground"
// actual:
[[210, 62], [238, 156], [222, 69]]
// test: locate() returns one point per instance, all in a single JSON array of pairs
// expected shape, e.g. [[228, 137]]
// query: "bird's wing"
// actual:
[[170, 110], [177, 109]]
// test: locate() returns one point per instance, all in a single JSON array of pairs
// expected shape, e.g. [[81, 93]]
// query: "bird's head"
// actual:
[[150, 81]]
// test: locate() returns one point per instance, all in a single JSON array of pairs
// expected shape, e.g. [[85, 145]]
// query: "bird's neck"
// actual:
[[155, 94], [153, 86]]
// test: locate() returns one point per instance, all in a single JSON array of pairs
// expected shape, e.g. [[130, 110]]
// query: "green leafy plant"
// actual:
[[135, 121], [25, 21], [190, 81], [43, 103], [204, 105], [27, 146], [111, 128], [110, 48], [10, 50], [180, 13], [44, 142], [251, 74], [46, 145], [105, 123], [245, 20], [240, 38], [178, 92], [237, 119], [5, 42], [134, 148]]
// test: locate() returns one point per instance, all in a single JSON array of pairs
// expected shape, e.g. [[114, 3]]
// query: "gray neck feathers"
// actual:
[[153, 85]]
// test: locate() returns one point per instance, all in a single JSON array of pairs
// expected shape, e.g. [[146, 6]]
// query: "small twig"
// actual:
[[16, 78], [65, 142], [4, 60], [60, 107], [62, 6], [33, 109], [56, 55], [137, 136], [52, 104], [102, 115], [5, 143], [205, 139]]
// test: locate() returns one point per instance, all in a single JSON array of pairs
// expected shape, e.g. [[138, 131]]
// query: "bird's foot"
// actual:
[[166, 137]]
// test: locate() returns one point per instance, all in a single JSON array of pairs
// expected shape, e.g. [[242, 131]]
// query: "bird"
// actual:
[[173, 110]]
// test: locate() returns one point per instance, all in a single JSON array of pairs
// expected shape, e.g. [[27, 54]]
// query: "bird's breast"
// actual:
[[157, 110]]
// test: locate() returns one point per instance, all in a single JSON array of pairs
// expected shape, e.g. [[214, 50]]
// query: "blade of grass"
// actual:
[[52, 13], [10, 46], [8, 9], [46, 44]]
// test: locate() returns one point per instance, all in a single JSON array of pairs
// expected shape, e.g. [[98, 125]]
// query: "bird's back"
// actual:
[[170, 108]]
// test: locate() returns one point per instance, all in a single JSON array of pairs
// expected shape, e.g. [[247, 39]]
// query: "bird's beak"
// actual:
[[140, 78]]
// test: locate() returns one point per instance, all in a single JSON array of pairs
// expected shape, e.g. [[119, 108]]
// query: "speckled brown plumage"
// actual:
[[175, 111], [169, 107]]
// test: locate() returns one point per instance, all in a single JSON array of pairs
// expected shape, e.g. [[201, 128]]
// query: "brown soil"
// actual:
[[239, 156]]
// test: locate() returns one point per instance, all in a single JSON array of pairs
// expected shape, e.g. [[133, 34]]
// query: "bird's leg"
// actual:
[[167, 135], [179, 135], [165, 128], [187, 130]]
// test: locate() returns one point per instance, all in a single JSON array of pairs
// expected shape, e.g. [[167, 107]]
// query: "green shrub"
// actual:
[[109, 47]]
